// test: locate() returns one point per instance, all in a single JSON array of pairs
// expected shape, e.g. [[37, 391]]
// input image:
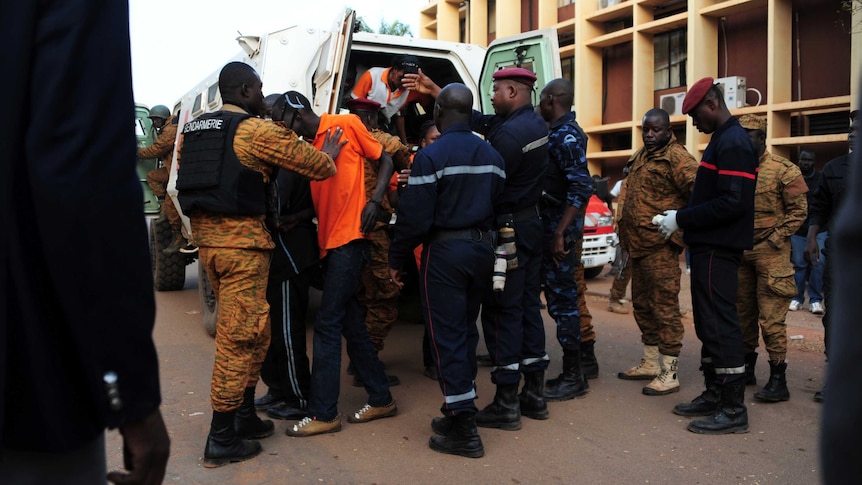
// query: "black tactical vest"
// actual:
[[210, 177]]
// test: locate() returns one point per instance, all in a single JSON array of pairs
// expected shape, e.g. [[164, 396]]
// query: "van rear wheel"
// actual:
[[169, 270]]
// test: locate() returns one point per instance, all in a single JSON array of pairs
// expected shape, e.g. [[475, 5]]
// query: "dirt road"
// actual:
[[615, 435]]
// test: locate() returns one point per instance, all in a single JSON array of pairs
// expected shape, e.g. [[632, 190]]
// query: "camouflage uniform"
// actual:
[[663, 180], [588, 333], [766, 276], [157, 179], [378, 295], [236, 250], [624, 270]]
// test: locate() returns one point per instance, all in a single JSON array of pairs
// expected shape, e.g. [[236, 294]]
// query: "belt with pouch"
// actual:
[[470, 234], [531, 212]]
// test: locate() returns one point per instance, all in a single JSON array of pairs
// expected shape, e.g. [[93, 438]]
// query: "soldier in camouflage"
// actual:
[[163, 149], [567, 190], [766, 276], [589, 363], [622, 270], [662, 173], [228, 225]]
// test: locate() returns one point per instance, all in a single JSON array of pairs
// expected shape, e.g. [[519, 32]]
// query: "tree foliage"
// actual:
[[395, 28]]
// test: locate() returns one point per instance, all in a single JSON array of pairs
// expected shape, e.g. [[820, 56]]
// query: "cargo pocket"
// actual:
[[782, 283]]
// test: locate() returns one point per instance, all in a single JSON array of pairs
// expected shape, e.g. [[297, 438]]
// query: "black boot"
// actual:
[[776, 389], [750, 361], [707, 402], [589, 364], [248, 425], [532, 397], [223, 446], [442, 425], [504, 412], [571, 383], [463, 438], [731, 416]]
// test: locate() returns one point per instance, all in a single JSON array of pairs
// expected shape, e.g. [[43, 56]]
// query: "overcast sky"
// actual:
[[176, 43]]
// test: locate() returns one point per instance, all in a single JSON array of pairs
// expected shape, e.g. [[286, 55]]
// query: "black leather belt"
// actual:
[[531, 212], [472, 234]]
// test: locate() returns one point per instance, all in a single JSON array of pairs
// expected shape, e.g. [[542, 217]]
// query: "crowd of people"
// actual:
[[489, 223], [487, 256]]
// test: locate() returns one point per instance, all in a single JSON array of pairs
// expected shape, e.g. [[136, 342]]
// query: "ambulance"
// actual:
[[322, 62]]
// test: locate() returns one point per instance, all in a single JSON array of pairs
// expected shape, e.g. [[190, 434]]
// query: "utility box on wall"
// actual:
[[733, 88]]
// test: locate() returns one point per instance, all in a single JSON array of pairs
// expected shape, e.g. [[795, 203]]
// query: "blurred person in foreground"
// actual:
[[841, 430], [74, 309]]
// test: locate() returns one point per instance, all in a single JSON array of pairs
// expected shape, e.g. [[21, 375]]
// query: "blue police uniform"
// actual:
[[511, 320], [567, 184], [448, 207]]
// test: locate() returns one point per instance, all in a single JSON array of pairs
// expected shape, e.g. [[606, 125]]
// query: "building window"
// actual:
[[492, 16], [670, 55], [567, 65], [563, 3]]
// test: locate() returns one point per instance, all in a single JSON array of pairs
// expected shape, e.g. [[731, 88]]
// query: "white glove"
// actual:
[[667, 225]]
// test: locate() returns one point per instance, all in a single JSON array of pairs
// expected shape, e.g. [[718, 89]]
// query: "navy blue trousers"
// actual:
[[512, 319], [453, 278], [714, 281]]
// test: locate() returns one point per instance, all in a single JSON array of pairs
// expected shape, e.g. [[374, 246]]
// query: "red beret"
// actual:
[[696, 93], [362, 104], [518, 74]]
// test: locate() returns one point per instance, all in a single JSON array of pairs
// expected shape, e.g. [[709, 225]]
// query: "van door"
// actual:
[[328, 76], [538, 51]]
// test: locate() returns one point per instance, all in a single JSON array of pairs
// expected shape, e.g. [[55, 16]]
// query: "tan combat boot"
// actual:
[[617, 306], [648, 369], [666, 382]]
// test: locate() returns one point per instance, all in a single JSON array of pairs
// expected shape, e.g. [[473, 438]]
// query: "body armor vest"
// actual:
[[210, 177]]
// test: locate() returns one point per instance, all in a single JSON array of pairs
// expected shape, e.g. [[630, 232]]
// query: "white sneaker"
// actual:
[[794, 305], [817, 308]]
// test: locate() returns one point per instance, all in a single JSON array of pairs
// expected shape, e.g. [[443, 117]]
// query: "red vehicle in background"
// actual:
[[599, 238]]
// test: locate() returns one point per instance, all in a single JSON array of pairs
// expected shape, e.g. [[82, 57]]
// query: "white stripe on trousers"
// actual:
[[288, 343]]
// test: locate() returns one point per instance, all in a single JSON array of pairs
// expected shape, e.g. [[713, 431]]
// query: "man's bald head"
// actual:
[[454, 104], [562, 90]]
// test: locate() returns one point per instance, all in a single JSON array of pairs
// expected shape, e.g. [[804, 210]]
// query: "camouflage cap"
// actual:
[[753, 122]]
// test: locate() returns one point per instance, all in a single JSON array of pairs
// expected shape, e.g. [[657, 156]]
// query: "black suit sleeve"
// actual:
[[77, 289]]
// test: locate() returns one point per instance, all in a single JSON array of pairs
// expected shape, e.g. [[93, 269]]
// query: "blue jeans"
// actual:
[[813, 275], [340, 314]]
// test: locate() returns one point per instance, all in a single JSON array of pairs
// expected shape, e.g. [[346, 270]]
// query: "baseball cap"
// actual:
[[753, 122]]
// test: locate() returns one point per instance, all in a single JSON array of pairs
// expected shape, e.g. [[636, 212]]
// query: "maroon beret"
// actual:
[[518, 74], [362, 104], [696, 93]]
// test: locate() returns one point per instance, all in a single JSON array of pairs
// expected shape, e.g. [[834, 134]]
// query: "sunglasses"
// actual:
[[296, 104]]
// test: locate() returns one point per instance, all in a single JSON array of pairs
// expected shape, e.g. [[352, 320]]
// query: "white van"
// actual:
[[316, 62]]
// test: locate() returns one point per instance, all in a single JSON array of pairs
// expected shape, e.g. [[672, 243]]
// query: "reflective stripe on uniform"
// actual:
[[533, 360], [461, 397], [730, 370], [456, 170], [535, 144], [515, 366]]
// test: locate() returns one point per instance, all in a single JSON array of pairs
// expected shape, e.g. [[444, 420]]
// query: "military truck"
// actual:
[[146, 135], [169, 271], [317, 62]]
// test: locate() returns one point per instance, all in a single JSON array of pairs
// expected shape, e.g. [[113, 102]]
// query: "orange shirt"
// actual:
[[362, 88], [259, 145], [339, 200]]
